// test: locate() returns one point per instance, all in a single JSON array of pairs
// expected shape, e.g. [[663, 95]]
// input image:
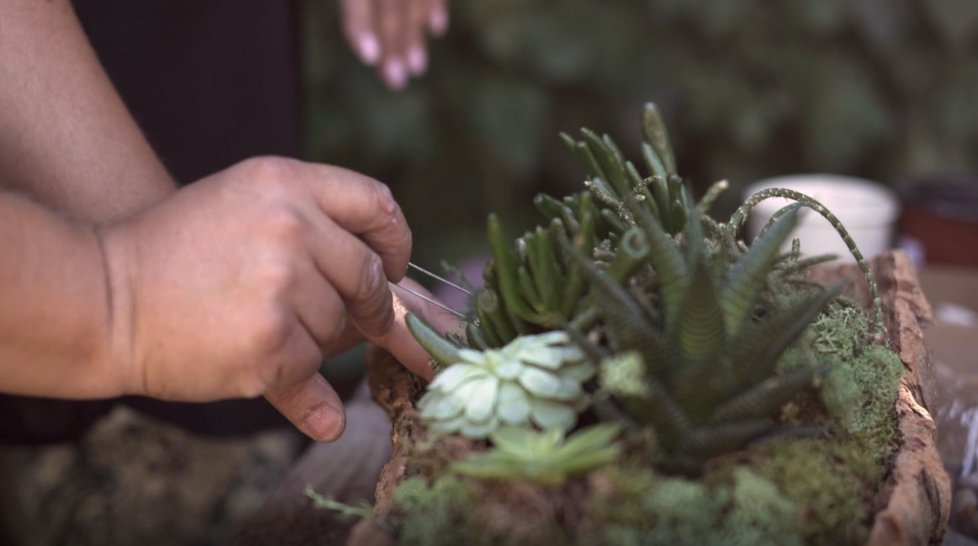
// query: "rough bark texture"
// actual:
[[914, 502], [392, 388]]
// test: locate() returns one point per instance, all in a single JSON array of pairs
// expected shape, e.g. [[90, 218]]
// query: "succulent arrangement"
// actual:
[[633, 330]]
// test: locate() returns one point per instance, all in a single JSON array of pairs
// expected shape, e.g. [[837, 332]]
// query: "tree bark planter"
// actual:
[[911, 507]]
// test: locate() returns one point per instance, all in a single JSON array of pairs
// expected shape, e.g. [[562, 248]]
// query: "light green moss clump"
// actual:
[[860, 392], [684, 512], [761, 514], [747, 510], [820, 476], [861, 389], [439, 514]]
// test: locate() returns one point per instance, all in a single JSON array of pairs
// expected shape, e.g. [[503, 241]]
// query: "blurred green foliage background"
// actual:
[[884, 89]]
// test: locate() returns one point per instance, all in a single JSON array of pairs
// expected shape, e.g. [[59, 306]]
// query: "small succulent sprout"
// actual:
[[546, 458], [536, 380]]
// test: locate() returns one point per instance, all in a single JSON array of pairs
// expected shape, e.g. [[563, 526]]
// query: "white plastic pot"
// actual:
[[868, 211]]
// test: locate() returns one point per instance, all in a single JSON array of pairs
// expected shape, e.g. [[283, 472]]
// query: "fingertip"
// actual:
[[323, 423], [313, 407], [394, 73], [419, 364], [368, 47], [417, 60], [438, 21], [400, 343]]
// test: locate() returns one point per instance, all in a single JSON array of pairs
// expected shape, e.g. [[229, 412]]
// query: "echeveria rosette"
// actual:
[[546, 458], [536, 380]]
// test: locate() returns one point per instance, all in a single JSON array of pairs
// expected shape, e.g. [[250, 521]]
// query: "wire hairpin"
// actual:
[[432, 301]]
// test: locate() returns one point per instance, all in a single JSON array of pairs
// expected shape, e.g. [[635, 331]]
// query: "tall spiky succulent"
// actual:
[[686, 322], [701, 370]]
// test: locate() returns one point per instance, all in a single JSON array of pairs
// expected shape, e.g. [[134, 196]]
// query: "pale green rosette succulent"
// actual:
[[534, 380]]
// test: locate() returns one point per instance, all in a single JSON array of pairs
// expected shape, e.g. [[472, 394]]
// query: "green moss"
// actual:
[[618, 495], [789, 491], [744, 508], [761, 514], [843, 330], [860, 389], [820, 476], [439, 514], [860, 392], [685, 512]]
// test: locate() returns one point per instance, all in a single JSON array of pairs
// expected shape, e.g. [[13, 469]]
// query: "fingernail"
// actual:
[[438, 22], [324, 423], [395, 74], [417, 60], [369, 48]]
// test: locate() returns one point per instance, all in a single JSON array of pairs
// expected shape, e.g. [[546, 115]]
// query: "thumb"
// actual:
[[312, 406]]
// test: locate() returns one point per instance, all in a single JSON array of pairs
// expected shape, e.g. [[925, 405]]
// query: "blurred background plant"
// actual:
[[876, 88]]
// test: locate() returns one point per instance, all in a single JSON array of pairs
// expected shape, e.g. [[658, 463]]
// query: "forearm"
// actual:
[[66, 138], [54, 306]]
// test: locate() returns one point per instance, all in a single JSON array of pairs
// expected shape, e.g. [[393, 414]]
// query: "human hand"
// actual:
[[390, 34], [398, 340], [233, 286]]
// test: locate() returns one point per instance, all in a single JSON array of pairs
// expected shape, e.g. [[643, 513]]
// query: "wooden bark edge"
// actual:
[[917, 509]]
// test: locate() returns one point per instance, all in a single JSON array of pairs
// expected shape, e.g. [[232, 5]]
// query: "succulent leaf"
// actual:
[[479, 408], [631, 254], [505, 265], [655, 132], [551, 414], [665, 258], [757, 348], [699, 330], [767, 397], [629, 327], [453, 376], [707, 441], [514, 405], [748, 275], [443, 351]]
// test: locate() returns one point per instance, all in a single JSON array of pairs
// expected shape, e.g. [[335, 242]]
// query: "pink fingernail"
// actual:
[[324, 424], [369, 48], [438, 22], [395, 74], [417, 60]]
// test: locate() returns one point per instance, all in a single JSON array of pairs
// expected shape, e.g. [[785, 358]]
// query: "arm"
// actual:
[[66, 139], [53, 306], [232, 287], [189, 299]]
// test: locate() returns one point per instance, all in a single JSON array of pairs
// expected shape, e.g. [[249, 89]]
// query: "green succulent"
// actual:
[[701, 370], [546, 458], [534, 380], [685, 321]]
